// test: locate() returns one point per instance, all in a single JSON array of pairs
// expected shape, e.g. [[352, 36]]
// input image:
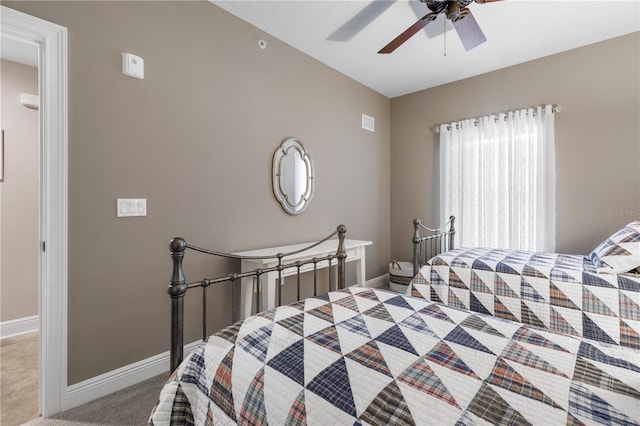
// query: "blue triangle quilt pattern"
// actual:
[[409, 361]]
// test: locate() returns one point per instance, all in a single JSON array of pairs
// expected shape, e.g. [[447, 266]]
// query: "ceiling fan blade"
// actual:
[[408, 33], [469, 31], [367, 15]]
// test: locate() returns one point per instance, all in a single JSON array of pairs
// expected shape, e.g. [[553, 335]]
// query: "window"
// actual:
[[497, 175]]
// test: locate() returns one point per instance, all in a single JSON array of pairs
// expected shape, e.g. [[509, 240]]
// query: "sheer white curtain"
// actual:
[[497, 176]]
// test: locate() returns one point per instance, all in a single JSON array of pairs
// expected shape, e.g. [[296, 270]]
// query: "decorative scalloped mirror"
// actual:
[[293, 176]]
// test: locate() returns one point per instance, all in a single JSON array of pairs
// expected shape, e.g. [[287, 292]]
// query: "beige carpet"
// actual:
[[130, 406], [19, 393], [18, 379]]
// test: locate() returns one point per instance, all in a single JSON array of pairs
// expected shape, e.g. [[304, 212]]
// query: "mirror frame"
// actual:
[[288, 146]]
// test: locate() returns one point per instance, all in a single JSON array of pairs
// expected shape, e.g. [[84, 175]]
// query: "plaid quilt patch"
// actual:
[[398, 360], [558, 292]]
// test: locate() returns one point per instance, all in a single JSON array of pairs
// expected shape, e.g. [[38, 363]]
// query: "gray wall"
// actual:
[[196, 138], [19, 194], [597, 139]]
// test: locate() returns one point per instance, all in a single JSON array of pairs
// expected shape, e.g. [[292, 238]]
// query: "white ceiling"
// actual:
[[517, 31]]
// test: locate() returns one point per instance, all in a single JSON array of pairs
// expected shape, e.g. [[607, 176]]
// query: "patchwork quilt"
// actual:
[[558, 292], [360, 356]]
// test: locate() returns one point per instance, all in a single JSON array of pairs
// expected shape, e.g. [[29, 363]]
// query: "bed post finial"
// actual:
[[177, 289], [416, 246], [452, 232], [342, 257]]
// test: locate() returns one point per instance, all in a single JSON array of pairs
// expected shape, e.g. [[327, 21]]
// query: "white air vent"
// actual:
[[368, 123]]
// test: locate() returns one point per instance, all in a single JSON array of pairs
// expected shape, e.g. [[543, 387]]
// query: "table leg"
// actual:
[[246, 297], [270, 295], [361, 267]]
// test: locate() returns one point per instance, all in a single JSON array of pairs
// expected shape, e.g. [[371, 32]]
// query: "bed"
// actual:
[[362, 356], [595, 296]]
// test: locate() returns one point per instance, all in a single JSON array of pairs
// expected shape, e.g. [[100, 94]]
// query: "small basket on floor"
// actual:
[[400, 275]]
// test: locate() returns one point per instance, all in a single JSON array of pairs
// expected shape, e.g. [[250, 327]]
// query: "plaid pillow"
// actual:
[[620, 252]]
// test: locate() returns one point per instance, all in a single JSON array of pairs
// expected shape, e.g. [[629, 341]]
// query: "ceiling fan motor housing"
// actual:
[[451, 8]]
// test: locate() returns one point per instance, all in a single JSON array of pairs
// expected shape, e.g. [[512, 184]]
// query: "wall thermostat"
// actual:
[[132, 65]]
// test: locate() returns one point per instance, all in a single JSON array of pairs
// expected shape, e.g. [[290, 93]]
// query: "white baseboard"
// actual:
[[19, 326], [382, 280], [113, 381]]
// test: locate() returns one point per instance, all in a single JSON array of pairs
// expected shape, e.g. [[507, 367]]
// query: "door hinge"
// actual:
[[44, 246]]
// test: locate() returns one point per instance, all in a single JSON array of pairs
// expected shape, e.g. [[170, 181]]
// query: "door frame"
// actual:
[[51, 40]]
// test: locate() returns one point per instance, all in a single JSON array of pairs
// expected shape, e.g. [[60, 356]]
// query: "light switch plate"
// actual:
[[128, 207]]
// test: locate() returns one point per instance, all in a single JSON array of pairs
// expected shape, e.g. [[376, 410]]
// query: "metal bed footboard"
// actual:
[[178, 285], [438, 241]]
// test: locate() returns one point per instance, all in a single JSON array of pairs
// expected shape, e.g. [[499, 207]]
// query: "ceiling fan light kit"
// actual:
[[453, 11], [457, 12]]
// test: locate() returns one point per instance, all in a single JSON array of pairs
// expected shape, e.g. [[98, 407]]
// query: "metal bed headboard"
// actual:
[[426, 247], [178, 285]]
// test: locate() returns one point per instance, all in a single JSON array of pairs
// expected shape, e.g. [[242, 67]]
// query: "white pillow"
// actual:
[[620, 253]]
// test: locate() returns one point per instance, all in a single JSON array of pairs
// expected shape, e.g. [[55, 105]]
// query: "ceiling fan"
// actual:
[[457, 12]]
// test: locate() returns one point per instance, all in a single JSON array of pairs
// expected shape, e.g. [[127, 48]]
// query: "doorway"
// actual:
[[19, 232], [50, 41]]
